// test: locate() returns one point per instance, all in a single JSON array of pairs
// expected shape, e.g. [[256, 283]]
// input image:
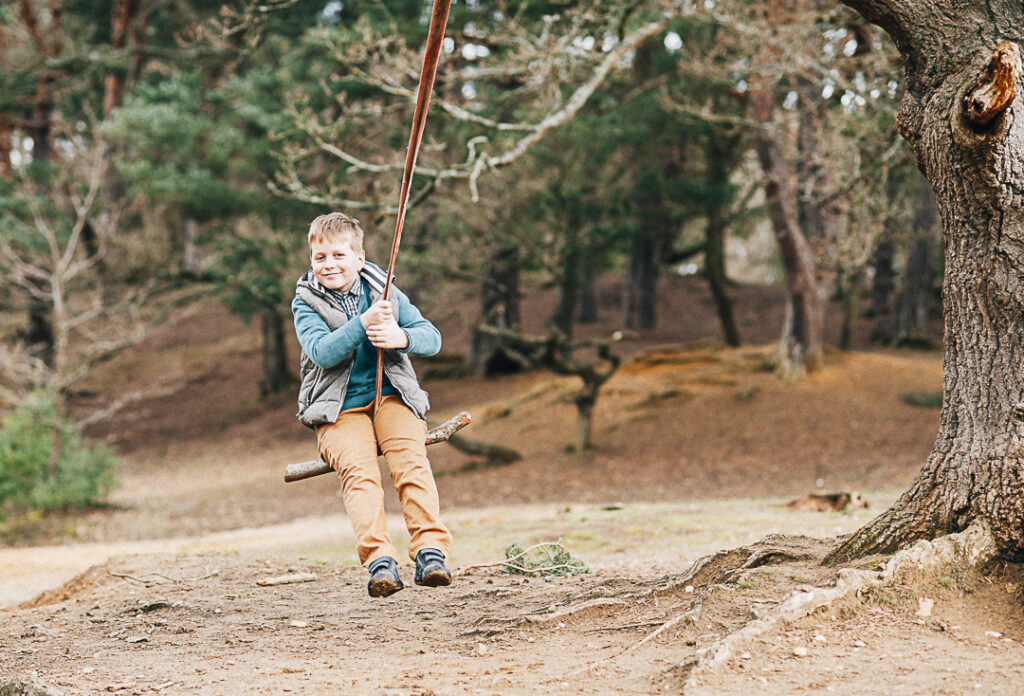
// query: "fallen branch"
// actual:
[[161, 578], [289, 579], [496, 455]]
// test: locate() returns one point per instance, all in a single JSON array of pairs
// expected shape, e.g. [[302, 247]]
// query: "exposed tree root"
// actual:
[[646, 639], [569, 611], [970, 550]]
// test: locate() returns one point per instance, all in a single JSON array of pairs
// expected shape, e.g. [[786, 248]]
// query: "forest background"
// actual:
[[151, 155]]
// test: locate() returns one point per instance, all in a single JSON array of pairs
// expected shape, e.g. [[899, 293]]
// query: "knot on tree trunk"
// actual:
[[995, 89], [1018, 413]]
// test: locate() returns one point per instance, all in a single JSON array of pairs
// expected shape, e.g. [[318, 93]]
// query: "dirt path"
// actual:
[[674, 534], [200, 622]]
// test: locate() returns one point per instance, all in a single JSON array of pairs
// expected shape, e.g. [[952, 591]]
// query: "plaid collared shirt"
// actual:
[[349, 299]]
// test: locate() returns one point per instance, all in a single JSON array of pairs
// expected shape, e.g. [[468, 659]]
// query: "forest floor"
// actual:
[[698, 449]]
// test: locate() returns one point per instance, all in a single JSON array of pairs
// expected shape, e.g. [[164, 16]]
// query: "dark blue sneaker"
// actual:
[[431, 570], [384, 578]]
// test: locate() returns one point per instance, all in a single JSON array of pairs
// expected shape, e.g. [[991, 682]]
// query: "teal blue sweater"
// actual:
[[327, 348]]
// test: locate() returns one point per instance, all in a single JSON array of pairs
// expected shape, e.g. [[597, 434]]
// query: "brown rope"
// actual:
[[435, 37]]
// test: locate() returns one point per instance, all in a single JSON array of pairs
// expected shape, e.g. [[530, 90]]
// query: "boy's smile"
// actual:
[[336, 264]]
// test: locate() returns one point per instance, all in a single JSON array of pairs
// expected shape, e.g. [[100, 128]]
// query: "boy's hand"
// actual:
[[388, 335], [381, 327], [378, 313]]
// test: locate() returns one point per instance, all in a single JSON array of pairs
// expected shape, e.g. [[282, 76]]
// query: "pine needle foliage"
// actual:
[[30, 479]]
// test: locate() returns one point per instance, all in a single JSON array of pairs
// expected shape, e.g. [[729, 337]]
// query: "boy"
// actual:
[[341, 321]]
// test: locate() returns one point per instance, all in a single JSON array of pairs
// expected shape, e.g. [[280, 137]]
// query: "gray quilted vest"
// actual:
[[322, 391]]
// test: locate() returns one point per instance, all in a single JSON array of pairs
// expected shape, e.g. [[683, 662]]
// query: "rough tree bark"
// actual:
[[962, 118]]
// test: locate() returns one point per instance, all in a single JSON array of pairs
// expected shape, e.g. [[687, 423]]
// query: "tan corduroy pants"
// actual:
[[349, 445]]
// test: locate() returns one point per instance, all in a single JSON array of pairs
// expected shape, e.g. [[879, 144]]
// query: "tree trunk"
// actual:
[[499, 306], [915, 297], [6, 128], [714, 271], [640, 289], [276, 376], [584, 422], [569, 280], [191, 256], [587, 307], [801, 345], [849, 295], [41, 124], [122, 16], [883, 294], [39, 336], [6, 167], [958, 117], [800, 348]]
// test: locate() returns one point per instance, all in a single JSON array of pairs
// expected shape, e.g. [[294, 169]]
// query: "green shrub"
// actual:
[[84, 474], [923, 399]]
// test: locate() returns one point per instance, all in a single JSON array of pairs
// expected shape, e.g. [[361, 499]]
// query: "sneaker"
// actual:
[[384, 578], [431, 570]]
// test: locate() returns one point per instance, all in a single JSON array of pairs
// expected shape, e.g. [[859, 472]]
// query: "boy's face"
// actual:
[[336, 264]]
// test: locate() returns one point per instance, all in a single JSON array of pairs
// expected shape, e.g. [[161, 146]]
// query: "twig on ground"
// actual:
[[143, 581], [287, 579], [155, 578]]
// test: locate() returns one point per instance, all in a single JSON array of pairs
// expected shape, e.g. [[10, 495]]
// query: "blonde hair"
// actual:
[[336, 227]]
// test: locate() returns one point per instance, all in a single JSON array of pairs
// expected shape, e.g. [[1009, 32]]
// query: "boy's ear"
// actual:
[[362, 259]]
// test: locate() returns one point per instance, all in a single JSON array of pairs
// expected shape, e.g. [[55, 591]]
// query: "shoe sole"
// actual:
[[383, 587], [435, 578]]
